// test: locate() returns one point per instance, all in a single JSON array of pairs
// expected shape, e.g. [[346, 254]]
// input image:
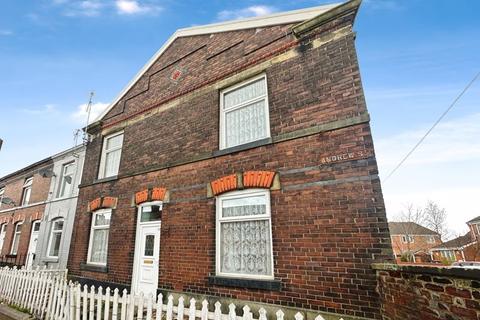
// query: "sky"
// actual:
[[415, 57]]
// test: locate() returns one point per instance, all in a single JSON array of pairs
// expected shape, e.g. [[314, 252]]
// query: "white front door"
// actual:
[[3, 231], [147, 249], [32, 247]]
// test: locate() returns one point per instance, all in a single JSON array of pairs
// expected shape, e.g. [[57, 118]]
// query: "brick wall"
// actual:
[[420, 243], [328, 216], [428, 293]]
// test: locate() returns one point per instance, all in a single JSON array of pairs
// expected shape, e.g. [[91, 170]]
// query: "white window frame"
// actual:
[[27, 185], [219, 220], [102, 227], [430, 239], [101, 171], [223, 136], [3, 232], [2, 193], [62, 180], [52, 233], [16, 234], [406, 238]]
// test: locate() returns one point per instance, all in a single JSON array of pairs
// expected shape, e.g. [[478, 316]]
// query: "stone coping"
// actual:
[[9, 312], [445, 271]]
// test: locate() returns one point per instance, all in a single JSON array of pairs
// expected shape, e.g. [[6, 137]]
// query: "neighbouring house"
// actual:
[[38, 209], [412, 242], [463, 248], [57, 222], [239, 164], [23, 194]]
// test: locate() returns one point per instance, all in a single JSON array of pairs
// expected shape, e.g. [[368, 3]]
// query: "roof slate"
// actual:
[[411, 228]]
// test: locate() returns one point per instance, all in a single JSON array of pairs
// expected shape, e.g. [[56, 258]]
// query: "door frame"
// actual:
[[30, 242], [137, 252]]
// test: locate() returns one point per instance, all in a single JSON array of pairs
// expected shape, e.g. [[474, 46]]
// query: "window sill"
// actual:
[[272, 285], [93, 267], [112, 178], [243, 147], [51, 260]]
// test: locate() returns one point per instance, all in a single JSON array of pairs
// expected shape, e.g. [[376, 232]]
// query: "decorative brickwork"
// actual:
[[102, 202], [94, 204], [258, 179], [428, 293], [158, 194], [224, 184]]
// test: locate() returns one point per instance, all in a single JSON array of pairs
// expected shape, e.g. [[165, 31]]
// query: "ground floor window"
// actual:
[[55, 238], [16, 237], [448, 254], [244, 234], [98, 246]]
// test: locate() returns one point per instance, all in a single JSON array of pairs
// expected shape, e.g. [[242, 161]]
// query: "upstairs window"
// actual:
[[27, 191], [2, 192], [407, 239], [98, 247], [431, 239], [66, 181], [244, 235], [55, 238], [244, 114], [16, 237], [111, 152]]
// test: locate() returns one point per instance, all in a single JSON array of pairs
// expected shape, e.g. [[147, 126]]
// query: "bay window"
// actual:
[[111, 152], [244, 113], [98, 245], [244, 235]]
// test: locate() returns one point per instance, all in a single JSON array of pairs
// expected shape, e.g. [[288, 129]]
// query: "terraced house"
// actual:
[[239, 164]]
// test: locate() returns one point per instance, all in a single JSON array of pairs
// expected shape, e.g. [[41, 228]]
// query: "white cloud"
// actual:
[[443, 169], [89, 8], [131, 7], [451, 141], [4, 32], [45, 110], [80, 116], [252, 11]]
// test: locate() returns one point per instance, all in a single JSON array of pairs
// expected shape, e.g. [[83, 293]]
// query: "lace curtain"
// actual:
[[99, 246], [247, 123], [245, 245]]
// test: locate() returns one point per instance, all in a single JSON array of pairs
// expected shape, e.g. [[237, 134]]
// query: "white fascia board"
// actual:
[[257, 22]]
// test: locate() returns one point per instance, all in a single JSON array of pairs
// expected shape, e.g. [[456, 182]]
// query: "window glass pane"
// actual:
[[114, 142], [248, 92], [36, 226], [244, 207], [58, 225], [69, 168], [246, 124], [28, 182], [26, 195], [245, 247], [55, 244], [16, 241], [18, 228], [102, 219], [98, 252], [112, 162], [149, 245], [151, 213]]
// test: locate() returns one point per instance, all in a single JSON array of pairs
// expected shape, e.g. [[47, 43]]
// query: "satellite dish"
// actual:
[[46, 173]]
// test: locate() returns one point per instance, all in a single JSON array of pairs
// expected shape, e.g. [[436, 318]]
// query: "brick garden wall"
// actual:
[[428, 293]]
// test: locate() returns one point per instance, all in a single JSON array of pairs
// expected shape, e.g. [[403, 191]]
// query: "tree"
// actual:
[[410, 216], [436, 218]]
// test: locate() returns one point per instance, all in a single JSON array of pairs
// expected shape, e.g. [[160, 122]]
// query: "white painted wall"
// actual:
[[60, 207]]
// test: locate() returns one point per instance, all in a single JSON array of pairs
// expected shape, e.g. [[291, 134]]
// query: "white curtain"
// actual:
[[247, 123], [245, 245], [99, 246], [112, 162]]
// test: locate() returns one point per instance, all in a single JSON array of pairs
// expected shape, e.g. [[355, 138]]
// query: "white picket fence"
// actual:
[[46, 294]]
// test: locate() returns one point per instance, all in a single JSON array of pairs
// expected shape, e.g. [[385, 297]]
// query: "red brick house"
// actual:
[[239, 164], [22, 203], [463, 248], [412, 242]]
